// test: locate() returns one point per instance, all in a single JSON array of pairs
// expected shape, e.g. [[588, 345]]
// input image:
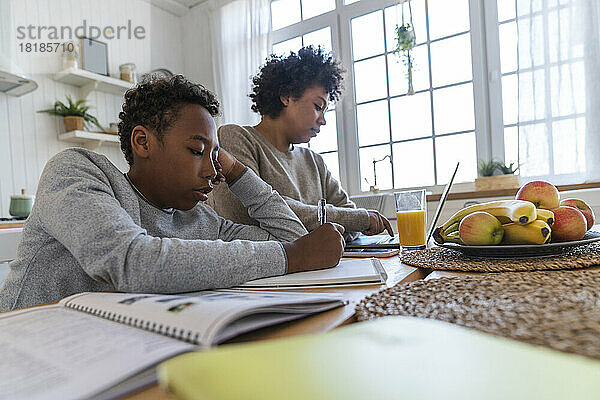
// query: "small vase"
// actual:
[[73, 123]]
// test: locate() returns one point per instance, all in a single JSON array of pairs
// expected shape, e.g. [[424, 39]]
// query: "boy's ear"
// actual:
[[285, 100], [140, 141]]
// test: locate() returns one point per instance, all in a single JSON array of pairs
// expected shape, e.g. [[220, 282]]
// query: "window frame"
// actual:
[[488, 129]]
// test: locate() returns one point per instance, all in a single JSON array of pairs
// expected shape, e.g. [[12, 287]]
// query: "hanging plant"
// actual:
[[405, 42]]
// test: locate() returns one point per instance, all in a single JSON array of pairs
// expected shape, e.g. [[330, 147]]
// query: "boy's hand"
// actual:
[[322, 248], [228, 167], [377, 224]]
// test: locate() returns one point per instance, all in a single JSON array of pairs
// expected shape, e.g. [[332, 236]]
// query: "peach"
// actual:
[[569, 224], [480, 229], [542, 194], [582, 206]]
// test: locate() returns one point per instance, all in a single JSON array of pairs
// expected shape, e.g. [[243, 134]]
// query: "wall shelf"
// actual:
[[88, 81], [91, 140]]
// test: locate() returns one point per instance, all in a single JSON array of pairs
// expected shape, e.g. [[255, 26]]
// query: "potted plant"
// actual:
[[405, 42], [75, 114], [495, 175]]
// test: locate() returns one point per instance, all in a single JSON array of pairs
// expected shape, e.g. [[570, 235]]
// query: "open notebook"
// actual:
[[90, 342], [347, 272]]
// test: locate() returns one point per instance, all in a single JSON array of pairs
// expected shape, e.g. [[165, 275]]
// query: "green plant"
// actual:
[[506, 170], [487, 168], [73, 109], [405, 41]]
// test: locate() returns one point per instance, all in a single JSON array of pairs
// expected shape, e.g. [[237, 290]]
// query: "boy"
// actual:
[[94, 228]]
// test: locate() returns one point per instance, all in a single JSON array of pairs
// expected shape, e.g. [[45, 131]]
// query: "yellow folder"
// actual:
[[388, 358]]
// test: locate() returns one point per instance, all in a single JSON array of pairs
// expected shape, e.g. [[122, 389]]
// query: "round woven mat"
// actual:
[[448, 259], [557, 309]]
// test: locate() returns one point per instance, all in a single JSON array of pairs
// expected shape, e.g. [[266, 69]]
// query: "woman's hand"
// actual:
[[377, 224], [228, 167]]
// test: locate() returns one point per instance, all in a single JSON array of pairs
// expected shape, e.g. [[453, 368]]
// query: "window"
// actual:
[[455, 113], [549, 139]]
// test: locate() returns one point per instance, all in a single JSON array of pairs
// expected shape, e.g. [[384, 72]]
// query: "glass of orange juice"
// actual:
[[411, 216]]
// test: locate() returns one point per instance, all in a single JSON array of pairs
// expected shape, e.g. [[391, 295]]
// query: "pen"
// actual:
[[322, 214]]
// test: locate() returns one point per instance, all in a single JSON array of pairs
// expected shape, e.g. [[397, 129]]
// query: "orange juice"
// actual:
[[411, 227]]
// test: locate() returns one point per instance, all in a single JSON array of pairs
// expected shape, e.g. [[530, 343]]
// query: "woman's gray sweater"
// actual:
[[90, 230]]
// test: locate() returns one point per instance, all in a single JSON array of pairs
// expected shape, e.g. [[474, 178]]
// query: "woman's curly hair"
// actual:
[[291, 76], [155, 104]]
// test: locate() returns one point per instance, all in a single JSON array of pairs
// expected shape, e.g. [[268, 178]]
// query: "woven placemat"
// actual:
[[447, 259], [556, 309]]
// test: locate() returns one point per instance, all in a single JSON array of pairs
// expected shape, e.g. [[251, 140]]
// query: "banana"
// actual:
[[518, 211], [545, 215], [451, 237], [542, 215], [536, 232]]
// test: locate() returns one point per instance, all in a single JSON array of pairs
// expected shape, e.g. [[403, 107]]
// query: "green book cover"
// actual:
[[388, 358]]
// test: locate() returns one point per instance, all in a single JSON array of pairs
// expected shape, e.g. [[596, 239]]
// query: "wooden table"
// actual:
[[397, 273]]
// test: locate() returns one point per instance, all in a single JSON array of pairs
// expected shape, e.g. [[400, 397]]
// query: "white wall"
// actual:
[[28, 139]]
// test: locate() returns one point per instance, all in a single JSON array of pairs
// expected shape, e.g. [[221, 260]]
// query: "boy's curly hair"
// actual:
[[291, 76], [155, 104]]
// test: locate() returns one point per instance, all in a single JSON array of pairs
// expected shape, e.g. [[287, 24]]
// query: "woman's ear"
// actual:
[[285, 100], [140, 141]]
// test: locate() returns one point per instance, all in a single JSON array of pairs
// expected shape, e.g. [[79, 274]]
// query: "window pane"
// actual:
[[447, 17], [284, 48], [510, 102], [533, 150], [398, 71], [413, 164], [311, 8], [322, 38], [568, 143], [531, 95], [567, 89], [333, 164], [326, 139], [511, 145], [527, 7], [451, 60], [373, 123], [453, 109], [508, 47], [284, 13], [367, 35], [530, 30], [393, 17], [384, 168], [451, 149], [506, 9], [369, 79], [411, 116], [564, 40]]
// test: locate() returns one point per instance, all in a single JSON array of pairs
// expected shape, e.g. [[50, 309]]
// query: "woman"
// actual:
[[291, 95]]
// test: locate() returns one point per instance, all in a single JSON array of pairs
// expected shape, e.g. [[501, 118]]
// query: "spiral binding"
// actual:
[[185, 335]]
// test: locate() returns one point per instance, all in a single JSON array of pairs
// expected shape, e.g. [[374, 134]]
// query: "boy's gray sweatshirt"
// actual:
[[90, 230]]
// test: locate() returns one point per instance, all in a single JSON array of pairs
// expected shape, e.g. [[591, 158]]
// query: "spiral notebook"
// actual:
[[91, 342]]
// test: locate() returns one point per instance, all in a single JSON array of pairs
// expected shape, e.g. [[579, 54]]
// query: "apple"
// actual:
[[480, 229], [542, 194], [569, 224], [582, 206]]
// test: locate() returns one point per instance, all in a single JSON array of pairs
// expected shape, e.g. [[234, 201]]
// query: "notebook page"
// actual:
[[353, 271], [195, 318], [54, 352]]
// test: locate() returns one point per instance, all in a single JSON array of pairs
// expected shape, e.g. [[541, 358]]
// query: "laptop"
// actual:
[[391, 242]]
